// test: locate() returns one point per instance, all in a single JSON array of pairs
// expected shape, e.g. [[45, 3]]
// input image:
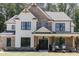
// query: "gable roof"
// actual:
[[58, 15], [26, 14], [35, 11], [43, 29], [11, 20], [38, 12]]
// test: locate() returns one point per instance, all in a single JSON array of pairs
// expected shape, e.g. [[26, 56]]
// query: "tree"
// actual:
[[7, 11], [76, 21]]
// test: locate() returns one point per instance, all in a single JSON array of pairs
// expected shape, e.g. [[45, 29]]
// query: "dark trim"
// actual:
[[9, 31], [41, 33], [70, 26], [56, 28], [52, 33], [63, 20]]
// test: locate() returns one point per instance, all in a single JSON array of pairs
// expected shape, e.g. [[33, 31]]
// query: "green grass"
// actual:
[[37, 54]]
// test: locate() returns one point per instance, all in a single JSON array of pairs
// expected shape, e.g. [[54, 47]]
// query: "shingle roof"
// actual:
[[58, 16], [38, 12], [33, 13], [11, 20], [53, 15], [27, 15]]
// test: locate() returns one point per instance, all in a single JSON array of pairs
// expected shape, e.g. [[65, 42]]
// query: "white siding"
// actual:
[[9, 27], [72, 29], [24, 33]]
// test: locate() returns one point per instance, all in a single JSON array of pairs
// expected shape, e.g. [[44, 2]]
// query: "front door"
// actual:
[[43, 44]]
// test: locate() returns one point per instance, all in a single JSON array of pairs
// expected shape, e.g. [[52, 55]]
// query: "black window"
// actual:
[[60, 27], [8, 42], [25, 42], [13, 27], [25, 25]]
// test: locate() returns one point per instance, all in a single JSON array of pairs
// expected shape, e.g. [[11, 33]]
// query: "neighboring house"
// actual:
[[33, 27]]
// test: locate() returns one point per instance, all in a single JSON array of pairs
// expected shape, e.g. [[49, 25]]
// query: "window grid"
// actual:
[[13, 27], [25, 25], [60, 27]]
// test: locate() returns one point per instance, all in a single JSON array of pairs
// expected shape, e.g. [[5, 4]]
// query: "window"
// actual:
[[60, 27], [8, 42], [25, 42], [25, 25], [13, 27]]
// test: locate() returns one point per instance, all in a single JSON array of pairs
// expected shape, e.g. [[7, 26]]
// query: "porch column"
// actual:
[[12, 42], [32, 42], [36, 41], [73, 42], [49, 41], [1, 42]]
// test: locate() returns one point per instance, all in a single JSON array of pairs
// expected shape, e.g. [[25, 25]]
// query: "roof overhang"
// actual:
[[7, 35], [38, 12], [58, 35]]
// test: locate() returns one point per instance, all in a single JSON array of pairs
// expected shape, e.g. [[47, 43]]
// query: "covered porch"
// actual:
[[7, 40], [71, 40]]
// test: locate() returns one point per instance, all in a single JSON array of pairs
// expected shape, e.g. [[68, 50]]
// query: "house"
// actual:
[[33, 27]]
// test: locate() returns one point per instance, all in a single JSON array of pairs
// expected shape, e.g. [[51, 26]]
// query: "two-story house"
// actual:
[[33, 27]]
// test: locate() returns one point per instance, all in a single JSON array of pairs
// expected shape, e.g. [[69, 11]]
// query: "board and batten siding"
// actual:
[[24, 33]]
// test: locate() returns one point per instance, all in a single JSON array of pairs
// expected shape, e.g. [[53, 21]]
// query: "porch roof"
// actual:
[[7, 34], [57, 34], [11, 20]]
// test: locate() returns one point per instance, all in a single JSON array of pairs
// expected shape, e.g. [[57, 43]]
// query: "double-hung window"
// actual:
[[13, 27], [60, 27], [8, 42], [25, 25]]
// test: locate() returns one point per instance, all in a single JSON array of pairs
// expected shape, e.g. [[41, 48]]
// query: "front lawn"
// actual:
[[37, 54]]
